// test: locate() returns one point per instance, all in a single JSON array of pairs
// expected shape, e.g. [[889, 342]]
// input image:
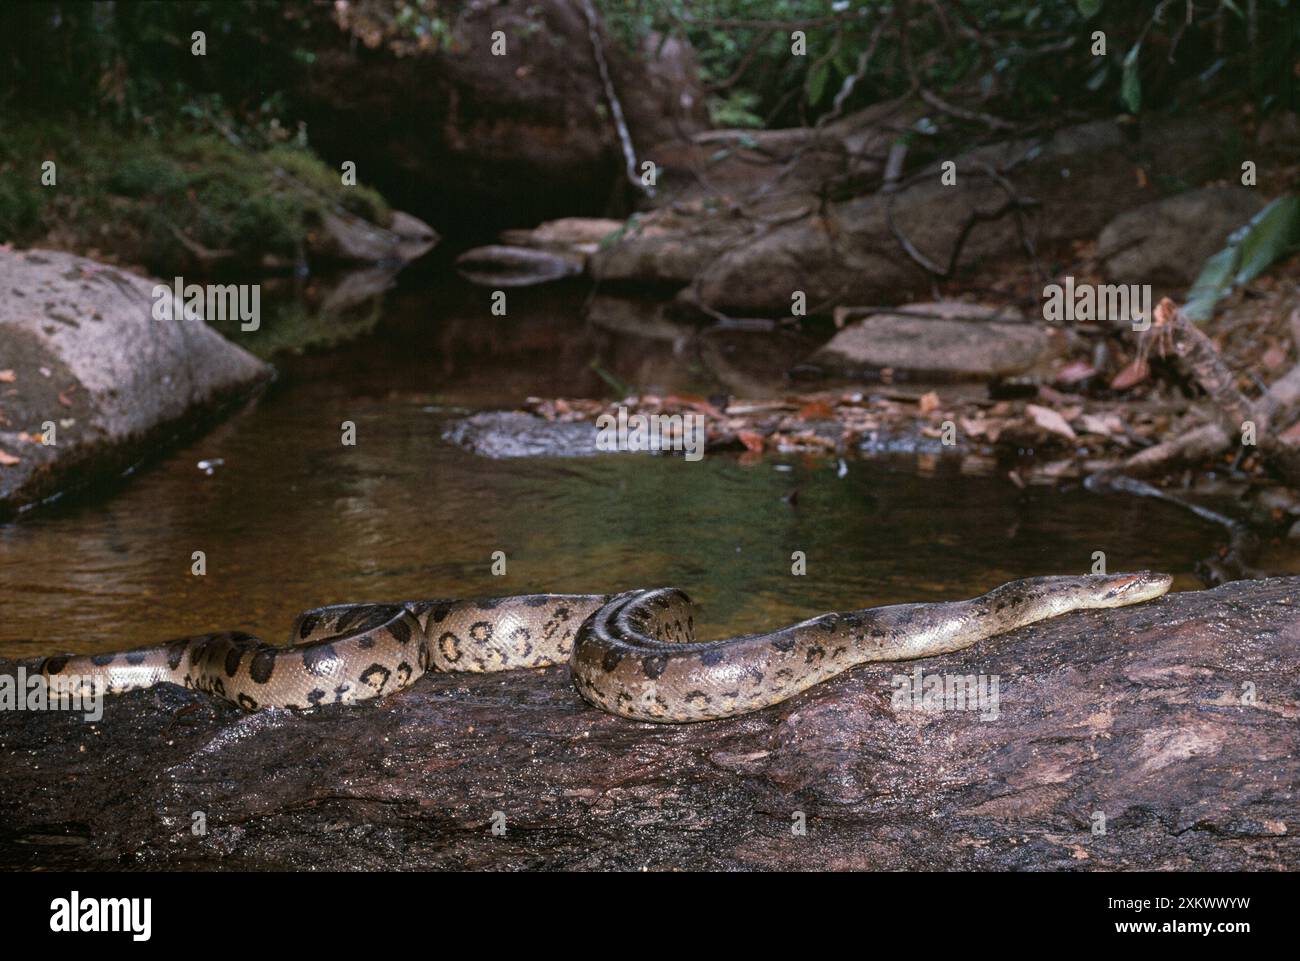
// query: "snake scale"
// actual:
[[633, 654]]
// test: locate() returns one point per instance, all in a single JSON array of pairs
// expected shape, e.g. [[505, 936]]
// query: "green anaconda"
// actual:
[[633, 654]]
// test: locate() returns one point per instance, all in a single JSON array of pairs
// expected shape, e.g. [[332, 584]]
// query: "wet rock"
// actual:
[[935, 341], [502, 266], [848, 152], [582, 235], [1171, 726], [507, 434], [347, 237], [1073, 184], [1166, 243], [80, 350]]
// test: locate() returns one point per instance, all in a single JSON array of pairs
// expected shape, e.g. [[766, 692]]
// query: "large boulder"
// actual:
[[463, 137], [80, 350], [1167, 242], [1156, 737], [1070, 185]]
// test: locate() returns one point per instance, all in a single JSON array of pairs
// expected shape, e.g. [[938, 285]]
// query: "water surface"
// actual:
[[292, 518]]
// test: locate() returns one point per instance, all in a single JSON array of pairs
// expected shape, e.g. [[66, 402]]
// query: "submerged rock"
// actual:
[[83, 362], [506, 434], [503, 266], [1156, 737]]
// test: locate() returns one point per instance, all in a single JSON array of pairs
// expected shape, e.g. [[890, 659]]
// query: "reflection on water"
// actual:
[[294, 519]]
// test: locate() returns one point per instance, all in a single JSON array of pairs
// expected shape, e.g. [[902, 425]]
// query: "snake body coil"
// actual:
[[632, 654]]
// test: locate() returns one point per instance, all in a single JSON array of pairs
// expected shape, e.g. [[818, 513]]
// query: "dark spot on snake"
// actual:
[[481, 631], [403, 674], [440, 612], [488, 603], [246, 702], [697, 696], [261, 667], [319, 658], [653, 667], [99, 660], [55, 665], [315, 697], [135, 658], [611, 659], [814, 654], [219, 686], [828, 623], [401, 630], [308, 625], [232, 661], [366, 641], [340, 691], [175, 654], [376, 672], [449, 644], [536, 600], [713, 658], [784, 644]]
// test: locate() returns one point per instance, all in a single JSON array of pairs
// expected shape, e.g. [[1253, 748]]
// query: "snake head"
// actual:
[[1134, 588]]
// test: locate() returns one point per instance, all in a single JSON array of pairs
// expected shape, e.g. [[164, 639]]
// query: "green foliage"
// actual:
[[309, 170], [19, 210], [736, 109], [1272, 234], [1016, 59]]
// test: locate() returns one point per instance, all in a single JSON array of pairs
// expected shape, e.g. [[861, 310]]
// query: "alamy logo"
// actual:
[[947, 692], [651, 432], [62, 692], [75, 914], [181, 301], [1118, 303]]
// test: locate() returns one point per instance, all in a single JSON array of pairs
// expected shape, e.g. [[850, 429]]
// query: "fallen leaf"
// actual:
[[1050, 421], [816, 410], [693, 402], [1102, 425], [1075, 372], [1291, 435], [1131, 376], [1274, 357]]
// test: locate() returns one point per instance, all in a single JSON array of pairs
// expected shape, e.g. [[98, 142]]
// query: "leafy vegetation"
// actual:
[[1018, 59], [1271, 235]]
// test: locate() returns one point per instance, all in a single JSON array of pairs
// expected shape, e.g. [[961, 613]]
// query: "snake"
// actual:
[[633, 654]]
